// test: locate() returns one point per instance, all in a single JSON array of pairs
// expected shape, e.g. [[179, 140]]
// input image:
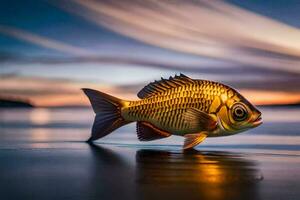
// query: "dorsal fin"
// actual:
[[163, 85]]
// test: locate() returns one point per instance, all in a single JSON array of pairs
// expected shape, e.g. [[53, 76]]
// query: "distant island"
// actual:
[[14, 103]]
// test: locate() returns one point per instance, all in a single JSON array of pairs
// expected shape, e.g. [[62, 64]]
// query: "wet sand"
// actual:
[[43, 158]]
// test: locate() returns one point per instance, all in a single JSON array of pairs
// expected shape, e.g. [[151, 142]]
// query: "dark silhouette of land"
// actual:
[[15, 103]]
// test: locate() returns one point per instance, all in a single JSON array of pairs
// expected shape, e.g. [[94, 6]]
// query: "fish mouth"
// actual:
[[258, 121]]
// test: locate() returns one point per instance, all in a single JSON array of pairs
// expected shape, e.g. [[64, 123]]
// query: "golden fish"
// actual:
[[194, 109]]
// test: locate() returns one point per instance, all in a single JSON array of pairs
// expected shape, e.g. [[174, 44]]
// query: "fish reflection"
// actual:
[[110, 175], [158, 174], [195, 175]]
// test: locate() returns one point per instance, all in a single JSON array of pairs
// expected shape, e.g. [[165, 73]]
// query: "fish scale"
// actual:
[[162, 109]]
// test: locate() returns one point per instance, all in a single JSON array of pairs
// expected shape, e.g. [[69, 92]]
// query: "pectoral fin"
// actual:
[[196, 119], [192, 140], [148, 132]]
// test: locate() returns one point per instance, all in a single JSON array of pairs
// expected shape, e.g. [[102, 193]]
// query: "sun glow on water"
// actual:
[[39, 116]]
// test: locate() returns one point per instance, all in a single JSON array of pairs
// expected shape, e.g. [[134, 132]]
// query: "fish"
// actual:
[[192, 108]]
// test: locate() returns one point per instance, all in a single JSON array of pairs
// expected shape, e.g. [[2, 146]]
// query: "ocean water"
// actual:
[[280, 131], [43, 156]]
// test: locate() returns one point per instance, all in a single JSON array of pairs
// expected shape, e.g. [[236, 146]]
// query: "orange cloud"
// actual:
[[51, 92], [261, 97], [47, 92]]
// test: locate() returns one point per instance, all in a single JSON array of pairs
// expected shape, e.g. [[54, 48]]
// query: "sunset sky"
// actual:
[[51, 49]]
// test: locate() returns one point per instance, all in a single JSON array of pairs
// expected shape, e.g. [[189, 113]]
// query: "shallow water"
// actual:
[[43, 156]]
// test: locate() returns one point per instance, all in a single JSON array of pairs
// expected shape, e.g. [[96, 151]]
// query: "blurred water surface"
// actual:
[[280, 130], [43, 156]]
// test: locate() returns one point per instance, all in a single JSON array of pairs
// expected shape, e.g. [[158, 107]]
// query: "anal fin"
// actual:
[[192, 140], [147, 132]]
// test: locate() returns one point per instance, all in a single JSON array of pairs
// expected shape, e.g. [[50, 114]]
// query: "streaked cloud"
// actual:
[[213, 29], [240, 77], [193, 66], [42, 41]]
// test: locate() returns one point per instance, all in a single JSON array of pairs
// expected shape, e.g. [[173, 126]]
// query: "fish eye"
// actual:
[[239, 112]]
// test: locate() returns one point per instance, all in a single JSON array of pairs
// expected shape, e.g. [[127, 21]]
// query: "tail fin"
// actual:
[[108, 113]]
